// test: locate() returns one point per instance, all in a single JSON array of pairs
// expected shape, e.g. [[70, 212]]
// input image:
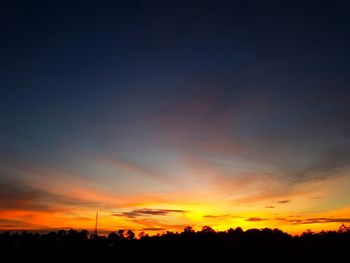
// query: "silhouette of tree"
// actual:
[[112, 237], [273, 245], [308, 232], [207, 229], [130, 235], [142, 234], [343, 229], [62, 233], [120, 233], [84, 234], [188, 230]]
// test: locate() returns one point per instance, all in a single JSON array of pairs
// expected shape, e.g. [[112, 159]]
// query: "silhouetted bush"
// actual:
[[233, 245]]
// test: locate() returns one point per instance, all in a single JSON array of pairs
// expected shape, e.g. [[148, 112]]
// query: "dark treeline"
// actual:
[[233, 245]]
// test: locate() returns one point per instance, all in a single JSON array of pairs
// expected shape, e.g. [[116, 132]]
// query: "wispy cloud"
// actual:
[[283, 201], [255, 219], [216, 216], [316, 197], [152, 229], [147, 212], [331, 162], [12, 223], [141, 170], [17, 195], [315, 220]]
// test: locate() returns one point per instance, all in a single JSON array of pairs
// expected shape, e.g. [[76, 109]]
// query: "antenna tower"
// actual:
[[96, 223]]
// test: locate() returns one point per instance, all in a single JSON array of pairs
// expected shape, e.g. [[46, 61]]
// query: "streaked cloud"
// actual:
[[140, 170], [17, 195], [316, 220], [13, 223], [148, 212], [330, 163], [153, 229], [255, 219], [218, 216], [283, 201]]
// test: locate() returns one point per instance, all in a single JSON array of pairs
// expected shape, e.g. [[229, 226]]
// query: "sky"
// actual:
[[166, 114]]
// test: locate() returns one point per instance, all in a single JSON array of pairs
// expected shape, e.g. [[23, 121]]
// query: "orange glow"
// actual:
[[224, 204]]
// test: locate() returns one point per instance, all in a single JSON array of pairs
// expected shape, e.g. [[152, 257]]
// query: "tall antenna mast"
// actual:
[[96, 223]]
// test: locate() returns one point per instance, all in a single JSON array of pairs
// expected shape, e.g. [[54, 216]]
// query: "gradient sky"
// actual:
[[163, 114]]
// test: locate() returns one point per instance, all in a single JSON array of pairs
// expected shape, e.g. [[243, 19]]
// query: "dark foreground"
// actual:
[[233, 245]]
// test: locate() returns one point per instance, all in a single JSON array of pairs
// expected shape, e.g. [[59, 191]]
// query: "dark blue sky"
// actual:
[[174, 88]]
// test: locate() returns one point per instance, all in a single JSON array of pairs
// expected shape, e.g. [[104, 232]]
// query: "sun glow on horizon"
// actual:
[[65, 205]]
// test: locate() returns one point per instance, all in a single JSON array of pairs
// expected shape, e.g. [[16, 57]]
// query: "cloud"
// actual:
[[216, 216], [12, 223], [269, 206], [141, 170], [222, 172], [316, 197], [315, 220], [152, 229], [16, 195], [153, 224], [255, 219], [148, 212], [283, 201], [13, 196], [332, 161], [55, 186], [81, 218]]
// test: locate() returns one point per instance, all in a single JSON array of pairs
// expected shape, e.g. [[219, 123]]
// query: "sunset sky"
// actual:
[[166, 114]]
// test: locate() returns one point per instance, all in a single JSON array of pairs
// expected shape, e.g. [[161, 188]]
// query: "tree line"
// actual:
[[232, 245]]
